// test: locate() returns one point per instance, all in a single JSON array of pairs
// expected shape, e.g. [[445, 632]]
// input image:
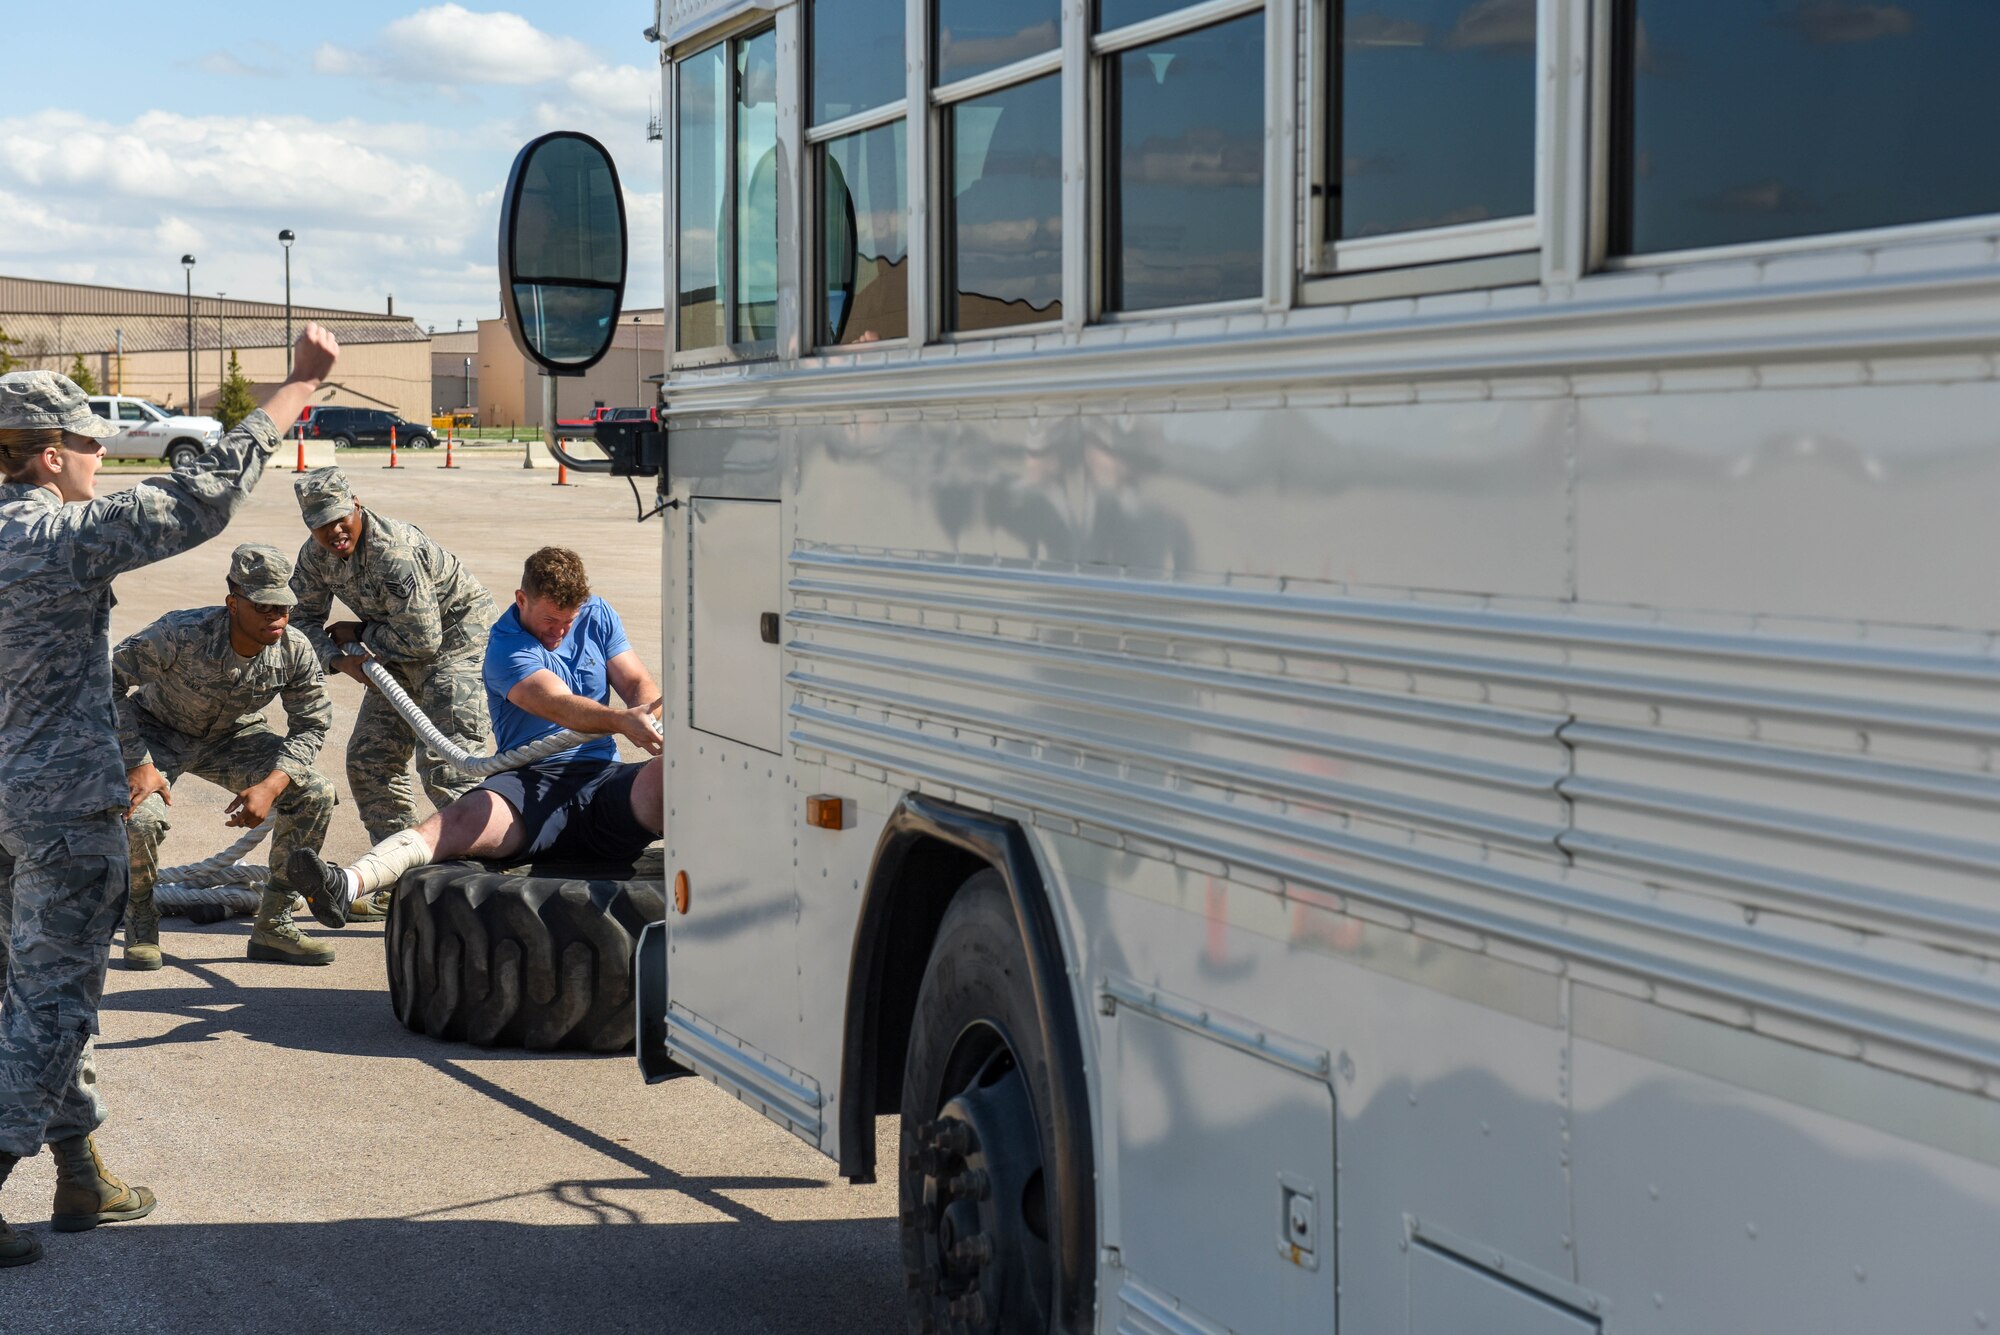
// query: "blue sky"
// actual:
[[379, 132]]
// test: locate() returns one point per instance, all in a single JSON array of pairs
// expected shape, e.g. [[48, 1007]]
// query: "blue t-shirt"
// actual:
[[513, 655]]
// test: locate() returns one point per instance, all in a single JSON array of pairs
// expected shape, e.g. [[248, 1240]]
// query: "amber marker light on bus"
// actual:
[[826, 813], [680, 892]]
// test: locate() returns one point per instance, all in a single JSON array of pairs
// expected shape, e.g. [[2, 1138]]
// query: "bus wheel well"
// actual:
[[910, 884], [930, 848], [930, 876]]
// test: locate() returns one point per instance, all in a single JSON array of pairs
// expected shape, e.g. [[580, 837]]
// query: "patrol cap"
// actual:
[[263, 574], [323, 496], [43, 400]]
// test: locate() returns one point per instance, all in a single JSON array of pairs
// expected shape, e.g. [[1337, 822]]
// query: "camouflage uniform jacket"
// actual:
[[59, 751], [181, 674], [417, 602]]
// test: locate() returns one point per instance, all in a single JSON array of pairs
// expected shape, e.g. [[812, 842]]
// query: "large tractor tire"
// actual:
[[538, 957]]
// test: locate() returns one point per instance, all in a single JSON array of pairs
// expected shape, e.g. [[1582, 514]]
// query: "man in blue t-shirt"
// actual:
[[552, 661]]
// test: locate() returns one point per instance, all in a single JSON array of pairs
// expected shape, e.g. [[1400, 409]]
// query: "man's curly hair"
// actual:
[[555, 574]]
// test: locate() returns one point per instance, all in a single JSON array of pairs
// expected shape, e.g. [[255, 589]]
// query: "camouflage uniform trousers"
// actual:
[[452, 694], [234, 761], [62, 891]]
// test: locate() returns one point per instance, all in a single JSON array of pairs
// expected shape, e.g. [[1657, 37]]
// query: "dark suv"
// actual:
[[346, 427]]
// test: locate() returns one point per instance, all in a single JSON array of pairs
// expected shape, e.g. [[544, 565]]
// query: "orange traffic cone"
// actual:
[[392, 450]]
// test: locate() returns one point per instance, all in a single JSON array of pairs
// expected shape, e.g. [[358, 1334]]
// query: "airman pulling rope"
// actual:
[[226, 883]]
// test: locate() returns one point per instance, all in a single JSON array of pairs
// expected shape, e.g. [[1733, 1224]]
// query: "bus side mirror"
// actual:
[[562, 252]]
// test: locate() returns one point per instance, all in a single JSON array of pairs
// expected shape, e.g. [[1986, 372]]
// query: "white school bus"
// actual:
[[1347, 649]]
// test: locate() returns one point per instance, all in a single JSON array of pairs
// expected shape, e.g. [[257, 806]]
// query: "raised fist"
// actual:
[[314, 354]]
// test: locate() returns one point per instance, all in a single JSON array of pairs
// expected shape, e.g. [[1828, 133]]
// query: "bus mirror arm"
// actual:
[[635, 450]]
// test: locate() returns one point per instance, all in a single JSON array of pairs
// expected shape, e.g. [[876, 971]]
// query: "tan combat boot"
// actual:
[[142, 932], [15, 1248], [88, 1194], [275, 940], [371, 908]]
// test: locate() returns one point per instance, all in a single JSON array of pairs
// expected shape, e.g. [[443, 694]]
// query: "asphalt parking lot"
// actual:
[[320, 1168]]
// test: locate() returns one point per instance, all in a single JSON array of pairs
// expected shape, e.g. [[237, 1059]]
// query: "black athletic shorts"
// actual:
[[575, 809]]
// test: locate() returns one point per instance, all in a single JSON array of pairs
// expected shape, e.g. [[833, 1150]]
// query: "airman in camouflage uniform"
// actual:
[[63, 787], [423, 617], [191, 701]]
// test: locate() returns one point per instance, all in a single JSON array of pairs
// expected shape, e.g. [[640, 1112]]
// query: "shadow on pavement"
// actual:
[[401, 1276], [737, 1270], [358, 1023]]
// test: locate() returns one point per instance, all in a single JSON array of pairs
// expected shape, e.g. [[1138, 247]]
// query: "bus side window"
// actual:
[[1003, 237], [726, 193], [755, 235], [1002, 163], [861, 160], [1430, 132], [1184, 165], [701, 132], [1746, 123]]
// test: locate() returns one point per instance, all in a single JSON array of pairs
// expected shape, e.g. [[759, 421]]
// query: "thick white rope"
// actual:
[[223, 882], [479, 767], [212, 880], [222, 869]]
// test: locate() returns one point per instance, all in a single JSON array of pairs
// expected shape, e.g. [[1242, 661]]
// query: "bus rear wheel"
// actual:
[[975, 1135]]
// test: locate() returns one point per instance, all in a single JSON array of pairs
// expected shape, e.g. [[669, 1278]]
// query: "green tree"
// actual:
[[80, 373], [7, 363], [235, 403]]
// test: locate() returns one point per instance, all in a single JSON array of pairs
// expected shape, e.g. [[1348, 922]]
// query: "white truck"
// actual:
[[147, 431]]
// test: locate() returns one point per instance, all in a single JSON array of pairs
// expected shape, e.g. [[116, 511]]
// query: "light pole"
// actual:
[[468, 384], [285, 239], [187, 265]]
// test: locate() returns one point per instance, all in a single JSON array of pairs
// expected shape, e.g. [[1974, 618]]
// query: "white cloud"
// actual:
[[119, 203], [623, 89], [449, 50], [228, 65], [449, 42], [1494, 23], [404, 205], [216, 162], [1382, 30], [336, 60], [33, 228]]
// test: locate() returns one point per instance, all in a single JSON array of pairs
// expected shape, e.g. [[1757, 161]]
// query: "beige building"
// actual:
[[455, 371], [510, 386], [136, 342]]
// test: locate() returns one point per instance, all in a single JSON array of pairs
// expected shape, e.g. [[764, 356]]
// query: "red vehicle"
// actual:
[[582, 424]]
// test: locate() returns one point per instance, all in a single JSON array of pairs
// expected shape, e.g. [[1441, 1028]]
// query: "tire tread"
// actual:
[[538, 957]]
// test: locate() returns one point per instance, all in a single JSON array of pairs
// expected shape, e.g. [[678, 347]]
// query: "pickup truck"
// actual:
[[146, 431], [582, 426]]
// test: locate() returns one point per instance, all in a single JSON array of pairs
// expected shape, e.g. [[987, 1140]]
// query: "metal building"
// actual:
[[137, 342]]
